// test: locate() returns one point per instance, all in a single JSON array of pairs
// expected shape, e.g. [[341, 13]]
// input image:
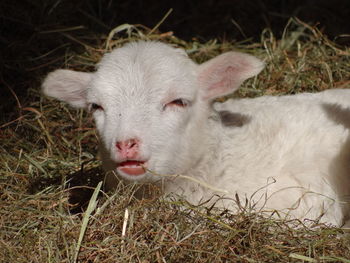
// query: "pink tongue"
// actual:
[[131, 168]]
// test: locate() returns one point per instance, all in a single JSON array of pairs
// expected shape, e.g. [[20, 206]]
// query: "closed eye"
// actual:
[[178, 103], [94, 107]]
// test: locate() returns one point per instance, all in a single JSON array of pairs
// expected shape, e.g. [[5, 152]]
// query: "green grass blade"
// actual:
[[90, 209]]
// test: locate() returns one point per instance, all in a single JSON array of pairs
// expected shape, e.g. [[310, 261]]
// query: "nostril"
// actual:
[[119, 145], [126, 145]]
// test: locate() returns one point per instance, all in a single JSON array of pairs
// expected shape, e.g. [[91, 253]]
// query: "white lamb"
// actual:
[[154, 113]]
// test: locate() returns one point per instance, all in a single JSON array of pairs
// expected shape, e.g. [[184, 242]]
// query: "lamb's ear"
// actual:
[[68, 86], [225, 73]]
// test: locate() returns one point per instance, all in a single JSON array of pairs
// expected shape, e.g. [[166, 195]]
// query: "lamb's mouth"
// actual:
[[132, 167]]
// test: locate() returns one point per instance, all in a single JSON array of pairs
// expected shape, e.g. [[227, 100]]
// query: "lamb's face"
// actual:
[[151, 104], [144, 102]]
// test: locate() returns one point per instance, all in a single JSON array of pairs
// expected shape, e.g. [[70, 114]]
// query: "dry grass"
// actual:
[[48, 173]]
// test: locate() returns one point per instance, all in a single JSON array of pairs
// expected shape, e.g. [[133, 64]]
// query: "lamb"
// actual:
[[154, 112]]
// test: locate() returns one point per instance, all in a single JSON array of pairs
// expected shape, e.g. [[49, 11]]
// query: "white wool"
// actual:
[[288, 153]]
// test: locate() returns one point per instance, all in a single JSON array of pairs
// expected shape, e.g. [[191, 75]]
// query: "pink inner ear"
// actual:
[[225, 73], [230, 70], [225, 83]]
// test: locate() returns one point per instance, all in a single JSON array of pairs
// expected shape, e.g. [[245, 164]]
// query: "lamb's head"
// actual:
[[151, 103]]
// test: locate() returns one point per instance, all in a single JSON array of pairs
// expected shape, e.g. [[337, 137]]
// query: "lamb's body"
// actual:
[[152, 107], [291, 149]]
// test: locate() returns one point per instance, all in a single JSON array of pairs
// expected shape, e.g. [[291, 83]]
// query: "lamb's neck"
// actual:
[[207, 155]]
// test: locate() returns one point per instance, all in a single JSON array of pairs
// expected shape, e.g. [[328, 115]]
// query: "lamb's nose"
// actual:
[[128, 149]]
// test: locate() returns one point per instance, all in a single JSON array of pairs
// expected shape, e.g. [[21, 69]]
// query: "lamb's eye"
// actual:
[[178, 103], [95, 107]]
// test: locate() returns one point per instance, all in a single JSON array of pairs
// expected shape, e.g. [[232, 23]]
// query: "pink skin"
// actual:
[[128, 150]]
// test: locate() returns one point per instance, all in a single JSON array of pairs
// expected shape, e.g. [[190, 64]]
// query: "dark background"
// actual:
[[28, 51]]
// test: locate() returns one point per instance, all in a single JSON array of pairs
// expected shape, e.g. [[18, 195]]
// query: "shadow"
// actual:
[[340, 166], [80, 186]]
